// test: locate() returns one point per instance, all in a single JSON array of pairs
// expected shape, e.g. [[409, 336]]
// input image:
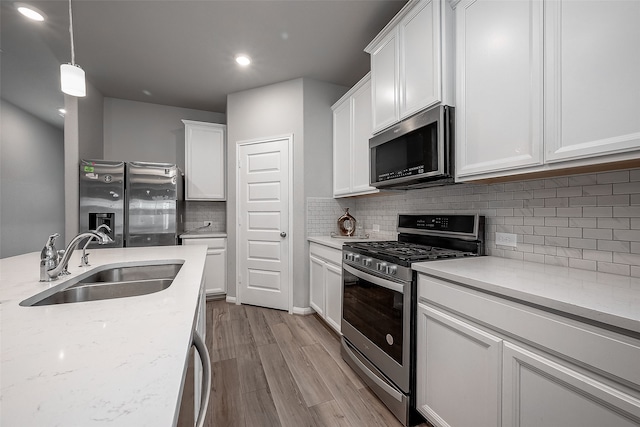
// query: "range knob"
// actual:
[[355, 258], [348, 256], [367, 262], [381, 266], [392, 270]]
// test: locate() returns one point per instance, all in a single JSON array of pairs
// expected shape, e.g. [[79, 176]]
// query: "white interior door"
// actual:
[[263, 218]]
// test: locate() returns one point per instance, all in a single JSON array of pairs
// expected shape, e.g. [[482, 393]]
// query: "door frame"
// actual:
[[290, 231]]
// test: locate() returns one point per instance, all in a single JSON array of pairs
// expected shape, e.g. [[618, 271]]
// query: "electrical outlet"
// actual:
[[376, 227], [208, 223], [507, 239]]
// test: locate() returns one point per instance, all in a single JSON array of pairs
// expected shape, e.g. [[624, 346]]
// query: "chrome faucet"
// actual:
[[84, 260], [51, 267]]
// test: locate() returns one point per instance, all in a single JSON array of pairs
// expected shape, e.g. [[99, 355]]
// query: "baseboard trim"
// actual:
[[303, 311]]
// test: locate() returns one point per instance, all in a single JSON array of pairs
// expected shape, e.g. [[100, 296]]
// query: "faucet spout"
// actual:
[[99, 236]]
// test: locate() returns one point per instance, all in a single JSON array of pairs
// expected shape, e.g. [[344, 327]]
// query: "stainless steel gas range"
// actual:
[[380, 300]]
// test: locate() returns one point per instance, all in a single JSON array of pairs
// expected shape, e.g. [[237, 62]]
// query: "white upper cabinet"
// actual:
[[499, 85], [411, 62], [592, 91], [545, 85], [205, 161], [351, 134], [386, 84]]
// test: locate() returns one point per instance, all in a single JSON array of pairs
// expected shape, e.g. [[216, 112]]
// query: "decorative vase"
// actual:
[[347, 224]]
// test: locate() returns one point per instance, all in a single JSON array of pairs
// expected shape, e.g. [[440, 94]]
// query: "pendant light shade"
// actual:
[[71, 75], [72, 80]]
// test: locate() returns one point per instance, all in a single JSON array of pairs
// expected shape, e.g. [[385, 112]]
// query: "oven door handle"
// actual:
[[398, 287]]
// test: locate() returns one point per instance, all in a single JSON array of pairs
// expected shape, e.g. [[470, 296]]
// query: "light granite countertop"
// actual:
[[606, 298], [337, 242], [202, 234], [110, 362]]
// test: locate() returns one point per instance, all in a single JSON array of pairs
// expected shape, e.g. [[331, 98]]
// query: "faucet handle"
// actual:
[[52, 239]]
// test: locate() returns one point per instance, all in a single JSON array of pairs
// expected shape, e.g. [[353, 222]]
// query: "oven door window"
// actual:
[[376, 312], [411, 154]]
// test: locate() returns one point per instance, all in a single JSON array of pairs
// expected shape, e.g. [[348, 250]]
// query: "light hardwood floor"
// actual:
[[274, 369]]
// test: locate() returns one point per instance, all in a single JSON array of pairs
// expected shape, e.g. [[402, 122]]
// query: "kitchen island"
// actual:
[[109, 362]]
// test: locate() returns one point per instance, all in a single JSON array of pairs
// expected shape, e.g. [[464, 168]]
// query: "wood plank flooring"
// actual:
[[274, 369]]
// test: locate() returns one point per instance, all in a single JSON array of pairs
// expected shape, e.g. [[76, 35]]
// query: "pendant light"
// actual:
[[71, 75]]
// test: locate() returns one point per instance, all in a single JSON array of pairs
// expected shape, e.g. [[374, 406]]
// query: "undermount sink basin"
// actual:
[[134, 273], [109, 283]]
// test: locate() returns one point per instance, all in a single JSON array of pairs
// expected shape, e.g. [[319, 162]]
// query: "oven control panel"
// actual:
[[379, 267]]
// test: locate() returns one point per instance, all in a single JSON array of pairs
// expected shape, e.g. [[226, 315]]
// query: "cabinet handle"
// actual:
[[201, 348]]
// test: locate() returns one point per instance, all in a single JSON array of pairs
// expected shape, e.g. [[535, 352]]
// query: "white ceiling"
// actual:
[[182, 51]]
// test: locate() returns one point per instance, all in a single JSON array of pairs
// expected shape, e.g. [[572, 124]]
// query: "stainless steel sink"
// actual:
[[108, 283], [134, 273]]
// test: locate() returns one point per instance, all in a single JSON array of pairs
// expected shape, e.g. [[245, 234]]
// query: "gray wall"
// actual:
[[31, 181], [90, 124], [300, 107], [148, 132]]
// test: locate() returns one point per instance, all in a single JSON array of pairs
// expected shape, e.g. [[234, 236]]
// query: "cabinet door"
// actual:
[[316, 284], [420, 65], [342, 149], [498, 85], [215, 272], [385, 82], [540, 392], [361, 113], [458, 371], [333, 297], [592, 89], [205, 161]]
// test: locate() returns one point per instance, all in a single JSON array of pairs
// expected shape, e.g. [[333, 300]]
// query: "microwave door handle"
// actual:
[[398, 287]]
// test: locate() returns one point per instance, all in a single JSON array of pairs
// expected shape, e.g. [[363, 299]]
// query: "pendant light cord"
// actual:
[[73, 53]]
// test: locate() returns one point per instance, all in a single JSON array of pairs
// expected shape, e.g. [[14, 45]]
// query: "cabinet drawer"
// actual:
[[212, 243], [328, 254], [608, 352]]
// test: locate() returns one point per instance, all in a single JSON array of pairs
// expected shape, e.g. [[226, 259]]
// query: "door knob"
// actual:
[[283, 234]]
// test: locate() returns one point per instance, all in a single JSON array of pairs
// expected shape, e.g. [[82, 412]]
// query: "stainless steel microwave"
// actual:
[[416, 153]]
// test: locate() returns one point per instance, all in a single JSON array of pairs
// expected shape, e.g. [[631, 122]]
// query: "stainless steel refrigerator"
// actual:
[[141, 201], [154, 204], [102, 198]]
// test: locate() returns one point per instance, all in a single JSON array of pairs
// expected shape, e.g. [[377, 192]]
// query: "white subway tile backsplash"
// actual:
[[608, 267], [569, 212], [580, 220], [597, 190], [597, 233], [583, 201], [612, 177], [626, 211], [583, 222], [613, 246], [583, 264], [630, 235], [597, 212], [583, 243], [597, 255], [617, 223]]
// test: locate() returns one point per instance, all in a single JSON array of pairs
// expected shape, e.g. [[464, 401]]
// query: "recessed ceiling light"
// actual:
[[243, 60], [146, 92], [30, 12]]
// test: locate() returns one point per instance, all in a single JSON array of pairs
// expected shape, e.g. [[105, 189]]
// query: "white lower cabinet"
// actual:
[[215, 269], [483, 361], [539, 391], [458, 371], [325, 283]]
